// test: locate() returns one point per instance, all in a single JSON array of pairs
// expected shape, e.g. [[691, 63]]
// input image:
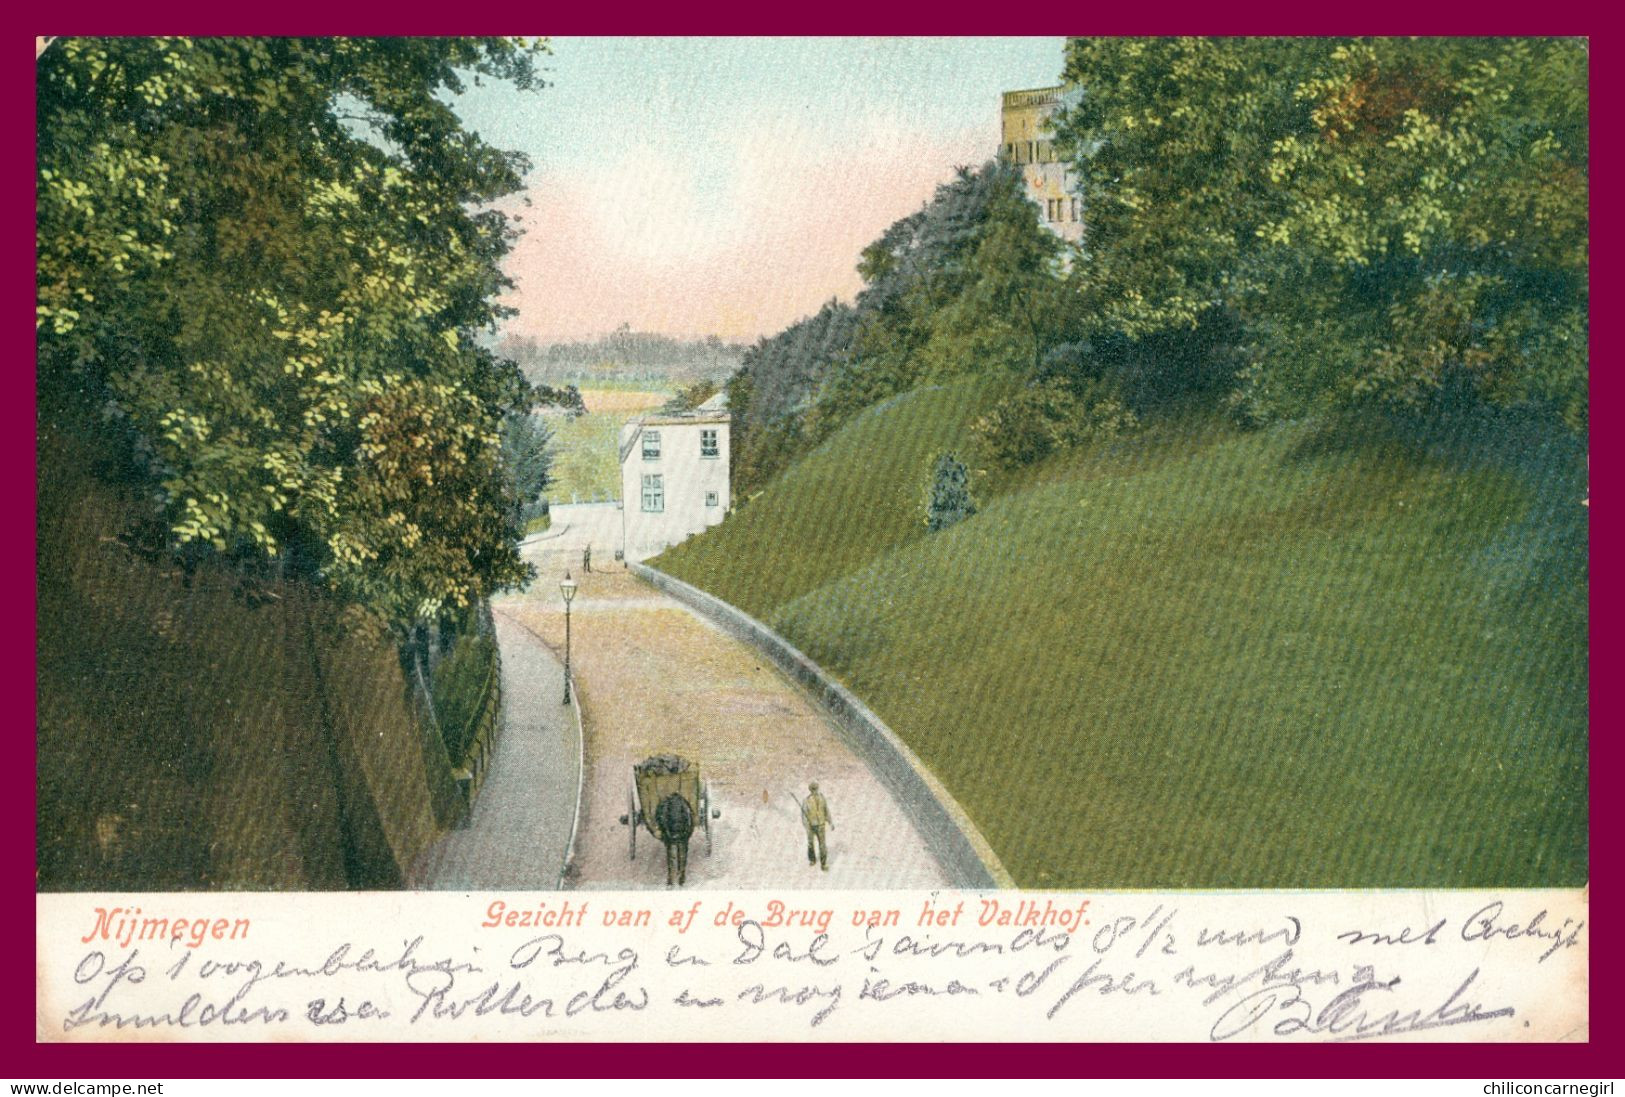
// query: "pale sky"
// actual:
[[698, 186]]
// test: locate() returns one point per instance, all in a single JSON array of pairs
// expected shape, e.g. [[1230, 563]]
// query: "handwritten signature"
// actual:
[[1360, 1012]]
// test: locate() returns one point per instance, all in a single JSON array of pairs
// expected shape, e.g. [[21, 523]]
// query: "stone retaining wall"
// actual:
[[948, 832]]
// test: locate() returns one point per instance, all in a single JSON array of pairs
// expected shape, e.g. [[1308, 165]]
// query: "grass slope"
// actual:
[[858, 496], [1302, 657], [193, 736]]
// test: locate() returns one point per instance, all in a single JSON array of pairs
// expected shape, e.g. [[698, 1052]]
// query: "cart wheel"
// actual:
[[705, 813], [632, 817]]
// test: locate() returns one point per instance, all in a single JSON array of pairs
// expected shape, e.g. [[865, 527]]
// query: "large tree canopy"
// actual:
[[1387, 219], [970, 282], [263, 265]]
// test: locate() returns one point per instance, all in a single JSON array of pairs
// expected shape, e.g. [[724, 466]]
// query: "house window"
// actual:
[[1074, 209], [654, 492], [710, 498], [651, 447], [708, 443]]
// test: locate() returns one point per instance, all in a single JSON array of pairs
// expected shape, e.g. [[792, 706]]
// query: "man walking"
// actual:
[[815, 817]]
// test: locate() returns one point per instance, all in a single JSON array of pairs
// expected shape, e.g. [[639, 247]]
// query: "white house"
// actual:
[[674, 476]]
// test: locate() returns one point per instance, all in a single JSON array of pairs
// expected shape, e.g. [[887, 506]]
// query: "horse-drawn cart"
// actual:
[[669, 798]]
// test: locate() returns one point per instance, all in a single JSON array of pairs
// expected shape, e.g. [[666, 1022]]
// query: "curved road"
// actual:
[[654, 677]]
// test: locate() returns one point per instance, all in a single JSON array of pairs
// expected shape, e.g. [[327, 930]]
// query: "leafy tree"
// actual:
[[971, 282], [1169, 139], [1375, 219], [568, 398], [1012, 304], [1052, 414], [770, 395], [918, 267], [263, 264], [528, 460], [1440, 201]]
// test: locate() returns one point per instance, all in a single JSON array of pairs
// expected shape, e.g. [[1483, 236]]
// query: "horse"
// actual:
[[674, 819]]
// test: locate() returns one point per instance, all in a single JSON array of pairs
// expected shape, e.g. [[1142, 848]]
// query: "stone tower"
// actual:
[[1026, 142]]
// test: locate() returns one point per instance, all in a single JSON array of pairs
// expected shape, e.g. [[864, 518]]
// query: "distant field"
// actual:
[[650, 381], [625, 402], [1198, 657], [585, 458]]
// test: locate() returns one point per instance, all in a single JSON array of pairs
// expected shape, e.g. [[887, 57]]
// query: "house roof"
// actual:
[[682, 418]]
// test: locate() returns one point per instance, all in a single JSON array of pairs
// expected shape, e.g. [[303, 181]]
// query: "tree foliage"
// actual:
[[771, 394], [969, 283], [264, 264], [529, 461], [942, 292], [1008, 305], [1052, 414], [1383, 219], [626, 355]]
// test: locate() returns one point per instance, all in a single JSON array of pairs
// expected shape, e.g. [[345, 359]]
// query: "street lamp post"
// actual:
[[568, 589]]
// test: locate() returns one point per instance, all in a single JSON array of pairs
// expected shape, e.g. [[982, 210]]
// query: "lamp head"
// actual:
[[567, 587]]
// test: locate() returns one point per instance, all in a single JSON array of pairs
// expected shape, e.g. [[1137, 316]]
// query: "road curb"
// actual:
[[948, 832], [549, 534], [581, 781], [581, 751]]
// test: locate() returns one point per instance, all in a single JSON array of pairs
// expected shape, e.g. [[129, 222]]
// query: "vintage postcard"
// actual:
[[835, 539]]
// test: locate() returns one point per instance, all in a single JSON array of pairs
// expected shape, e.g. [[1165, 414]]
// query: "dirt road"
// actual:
[[652, 678]]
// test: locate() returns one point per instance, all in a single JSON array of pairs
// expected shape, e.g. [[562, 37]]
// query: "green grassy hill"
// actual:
[[1311, 656]]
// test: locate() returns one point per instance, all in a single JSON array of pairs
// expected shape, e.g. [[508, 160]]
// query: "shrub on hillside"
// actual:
[[950, 499], [1051, 415], [691, 397]]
